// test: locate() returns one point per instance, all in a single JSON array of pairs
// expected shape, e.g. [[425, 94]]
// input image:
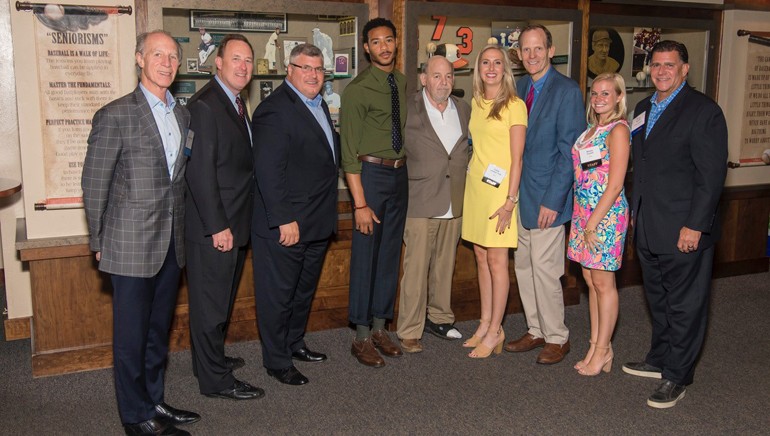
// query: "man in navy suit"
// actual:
[[220, 198], [133, 193], [556, 119], [680, 163], [296, 161]]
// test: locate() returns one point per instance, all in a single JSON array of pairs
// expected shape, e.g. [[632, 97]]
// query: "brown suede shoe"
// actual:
[[553, 353], [366, 354], [411, 345], [382, 342], [524, 343]]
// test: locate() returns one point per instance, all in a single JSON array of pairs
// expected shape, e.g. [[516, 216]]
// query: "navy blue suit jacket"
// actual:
[[295, 169]]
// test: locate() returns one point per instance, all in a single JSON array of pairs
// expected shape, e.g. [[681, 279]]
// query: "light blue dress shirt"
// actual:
[[317, 110], [168, 127], [656, 109]]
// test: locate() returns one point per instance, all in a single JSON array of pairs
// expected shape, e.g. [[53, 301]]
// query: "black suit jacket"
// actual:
[[296, 172], [679, 170], [220, 172]]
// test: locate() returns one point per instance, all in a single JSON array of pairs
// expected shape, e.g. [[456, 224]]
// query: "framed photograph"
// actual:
[[262, 66], [192, 65], [238, 21], [286, 44], [265, 89], [342, 62]]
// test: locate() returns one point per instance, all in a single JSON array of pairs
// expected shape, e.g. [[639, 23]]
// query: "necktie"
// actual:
[[239, 103], [530, 98], [395, 114]]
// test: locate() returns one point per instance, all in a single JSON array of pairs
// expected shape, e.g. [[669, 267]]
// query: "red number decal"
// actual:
[[466, 36], [439, 29]]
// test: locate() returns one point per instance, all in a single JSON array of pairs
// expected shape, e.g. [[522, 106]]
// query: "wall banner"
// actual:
[[755, 133], [78, 73]]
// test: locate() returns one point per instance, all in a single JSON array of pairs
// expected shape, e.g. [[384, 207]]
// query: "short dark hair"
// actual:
[[232, 37], [669, 45], [530, 27], [375, 23]]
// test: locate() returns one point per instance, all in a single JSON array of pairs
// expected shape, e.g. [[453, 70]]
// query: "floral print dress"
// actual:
[[589, 187]]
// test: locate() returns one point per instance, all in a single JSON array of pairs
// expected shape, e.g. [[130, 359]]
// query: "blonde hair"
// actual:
[[507, 91], [619, 111]]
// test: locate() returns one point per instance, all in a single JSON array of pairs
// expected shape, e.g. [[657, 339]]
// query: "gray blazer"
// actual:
[[428, 164], [131, 204]]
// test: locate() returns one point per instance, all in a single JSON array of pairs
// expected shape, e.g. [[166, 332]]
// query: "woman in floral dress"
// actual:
[[600, 212]]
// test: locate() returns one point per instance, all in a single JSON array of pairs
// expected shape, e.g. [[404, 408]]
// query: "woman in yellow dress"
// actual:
[[498, 127]]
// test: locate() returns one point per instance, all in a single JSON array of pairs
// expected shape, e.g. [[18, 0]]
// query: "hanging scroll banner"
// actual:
[[755, 132], [78, 73]]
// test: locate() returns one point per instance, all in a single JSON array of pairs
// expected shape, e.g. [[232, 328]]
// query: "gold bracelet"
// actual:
[[589, 231], [513, 199]]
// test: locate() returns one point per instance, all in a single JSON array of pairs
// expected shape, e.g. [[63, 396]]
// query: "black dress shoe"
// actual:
[[234, 362], [153, 427], [288, 376], [239, 391], [175, 416], [305, 355]]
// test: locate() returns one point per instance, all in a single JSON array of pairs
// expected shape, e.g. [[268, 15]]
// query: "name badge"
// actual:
[[494, 175], [638, 122], [590, 157], [189, 143]]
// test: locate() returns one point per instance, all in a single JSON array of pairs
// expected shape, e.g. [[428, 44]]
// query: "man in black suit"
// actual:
[[296, 160], [680, 156], [220, 197], [133, 193]]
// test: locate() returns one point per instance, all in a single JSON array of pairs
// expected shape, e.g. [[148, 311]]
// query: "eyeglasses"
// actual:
[[307, 69]]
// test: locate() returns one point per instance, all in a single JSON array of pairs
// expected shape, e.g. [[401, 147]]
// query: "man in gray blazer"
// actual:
[[436, 146], [133, 192], [556, 118]]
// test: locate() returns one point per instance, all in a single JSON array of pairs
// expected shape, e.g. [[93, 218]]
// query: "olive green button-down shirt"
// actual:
[[366, 121]]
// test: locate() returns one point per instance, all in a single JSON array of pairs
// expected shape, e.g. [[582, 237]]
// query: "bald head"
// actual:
[[437, 78]]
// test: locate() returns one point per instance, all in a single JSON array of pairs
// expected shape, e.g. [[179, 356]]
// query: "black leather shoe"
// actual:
[[305, 355], [175, 416], [234, 362], [667, 395], [288, 376], [153, 427], [239, 391]]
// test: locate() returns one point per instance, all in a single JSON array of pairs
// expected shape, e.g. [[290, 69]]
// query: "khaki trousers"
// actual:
[[539, 262], [429, 261]]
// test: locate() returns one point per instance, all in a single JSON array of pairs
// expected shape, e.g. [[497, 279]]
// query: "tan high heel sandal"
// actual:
[[606, 365], [581, 363], [474, 340], [482, 351]]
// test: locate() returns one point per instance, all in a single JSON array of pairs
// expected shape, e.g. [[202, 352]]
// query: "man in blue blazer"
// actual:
[[680, 164], [556, 118], [133, 193], [296, 161]]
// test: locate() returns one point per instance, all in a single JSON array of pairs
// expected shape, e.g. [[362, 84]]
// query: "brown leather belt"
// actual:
[[392, 163]]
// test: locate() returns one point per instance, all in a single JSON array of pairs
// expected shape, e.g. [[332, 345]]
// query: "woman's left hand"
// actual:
[[591, 240], [504, 217]]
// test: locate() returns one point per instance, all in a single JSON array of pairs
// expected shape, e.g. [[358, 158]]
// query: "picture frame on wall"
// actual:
[[606, 51], [341, 64], [286, 44], [192, 65]]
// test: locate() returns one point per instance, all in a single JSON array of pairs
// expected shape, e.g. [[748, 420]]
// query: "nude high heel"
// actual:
[[482, 351], [606, 365], [474, 340], [581, 363]]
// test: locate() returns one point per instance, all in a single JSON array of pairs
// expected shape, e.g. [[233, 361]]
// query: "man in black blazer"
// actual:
[[220, 197], [296, 160], [680, 156], [133, 193]]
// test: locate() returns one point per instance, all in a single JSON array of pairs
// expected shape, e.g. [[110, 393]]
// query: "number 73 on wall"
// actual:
[[464, 33]]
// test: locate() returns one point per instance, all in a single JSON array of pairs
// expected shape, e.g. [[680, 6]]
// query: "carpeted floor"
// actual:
[[440, 391]]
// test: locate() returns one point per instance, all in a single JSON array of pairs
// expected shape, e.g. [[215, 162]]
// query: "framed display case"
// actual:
[[462, 30], [638, 28]]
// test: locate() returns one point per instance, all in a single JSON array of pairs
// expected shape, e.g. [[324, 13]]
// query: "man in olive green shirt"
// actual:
[[373, 118]]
